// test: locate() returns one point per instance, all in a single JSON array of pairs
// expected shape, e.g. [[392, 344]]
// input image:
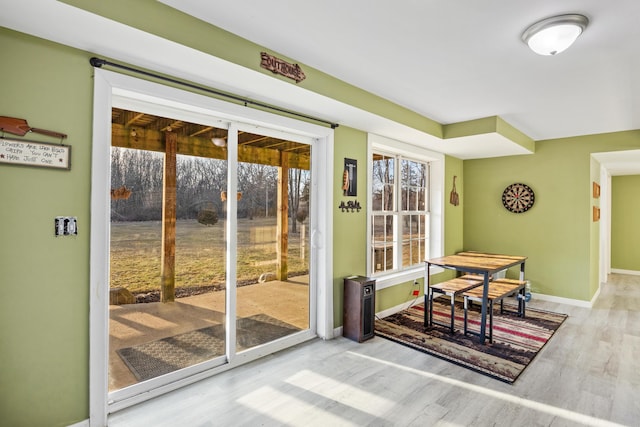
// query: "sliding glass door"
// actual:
[[209, 245]]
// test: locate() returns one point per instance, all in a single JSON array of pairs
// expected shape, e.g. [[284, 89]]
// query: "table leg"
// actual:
[[427, 295], [524, 291], [483, 317]]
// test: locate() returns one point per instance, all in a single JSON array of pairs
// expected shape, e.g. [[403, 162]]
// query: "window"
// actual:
[[399, 212], [405, 210]]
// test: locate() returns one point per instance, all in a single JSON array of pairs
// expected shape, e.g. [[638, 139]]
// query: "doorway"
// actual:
[[208, 259]]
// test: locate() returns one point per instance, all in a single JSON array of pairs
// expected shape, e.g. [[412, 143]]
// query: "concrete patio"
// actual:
[[133, 324]]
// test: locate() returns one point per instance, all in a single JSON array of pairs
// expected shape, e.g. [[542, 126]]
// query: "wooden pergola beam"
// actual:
[[151, 140], [168, 272]]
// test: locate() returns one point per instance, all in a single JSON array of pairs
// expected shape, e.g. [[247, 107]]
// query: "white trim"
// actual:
[[436, 200], [605, 224], [398, 278], [84, 423], [99, 252], [322, 236], [232, 246], [629, 272], [117, 89], [398, 308], [568, 301]]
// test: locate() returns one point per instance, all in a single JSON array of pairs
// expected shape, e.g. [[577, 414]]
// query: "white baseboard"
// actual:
[[337, 332], [568, 301], [84, 423], [629, 272], [399, 307]]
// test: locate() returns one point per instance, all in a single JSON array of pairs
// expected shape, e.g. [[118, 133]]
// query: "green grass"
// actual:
[[136, 249]]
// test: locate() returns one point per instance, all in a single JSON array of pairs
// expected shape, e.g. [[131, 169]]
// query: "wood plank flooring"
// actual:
[[588, 374]]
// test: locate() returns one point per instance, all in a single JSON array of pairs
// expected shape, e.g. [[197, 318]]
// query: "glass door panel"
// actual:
[[273, 253], [167, 247]]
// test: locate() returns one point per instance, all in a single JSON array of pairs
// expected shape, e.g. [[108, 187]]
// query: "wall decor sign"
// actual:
[[31, 153], [282, 67], [350, 177]]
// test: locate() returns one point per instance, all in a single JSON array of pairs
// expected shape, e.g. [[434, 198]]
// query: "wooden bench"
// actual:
[[451, 288], [498, 290]]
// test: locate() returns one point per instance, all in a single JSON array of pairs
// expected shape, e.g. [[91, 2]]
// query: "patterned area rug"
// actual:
[[169, 354], [516, 341]]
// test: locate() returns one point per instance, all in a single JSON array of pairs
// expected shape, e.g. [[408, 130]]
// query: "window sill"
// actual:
[[388, 280]]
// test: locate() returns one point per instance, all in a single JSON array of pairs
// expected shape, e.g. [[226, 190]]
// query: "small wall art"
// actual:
[[350, 177]]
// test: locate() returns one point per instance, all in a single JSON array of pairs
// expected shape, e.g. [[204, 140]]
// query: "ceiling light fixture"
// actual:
[[219, 142], [553, 35]]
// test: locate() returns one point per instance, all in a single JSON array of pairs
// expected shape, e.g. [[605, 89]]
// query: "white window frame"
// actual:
[[384, 145]]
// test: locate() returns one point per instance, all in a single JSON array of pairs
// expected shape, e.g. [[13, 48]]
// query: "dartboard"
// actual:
[[518, 198]]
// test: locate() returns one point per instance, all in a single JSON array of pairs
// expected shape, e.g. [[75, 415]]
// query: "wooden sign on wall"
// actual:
[[279, 66], [31, 153]]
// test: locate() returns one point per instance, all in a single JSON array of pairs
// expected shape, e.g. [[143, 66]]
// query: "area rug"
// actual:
[[155, 358], [516, 341]]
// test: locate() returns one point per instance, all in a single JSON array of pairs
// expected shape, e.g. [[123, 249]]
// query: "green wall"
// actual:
[[556, 234], [625, 222], [155, 18], [44, 313], [44, 309], [349, 228]]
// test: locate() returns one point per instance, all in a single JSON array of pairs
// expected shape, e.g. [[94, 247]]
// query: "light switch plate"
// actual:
[[66, 226]]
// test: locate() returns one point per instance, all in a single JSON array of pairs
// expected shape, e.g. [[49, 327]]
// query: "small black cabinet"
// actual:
[[359, 308]]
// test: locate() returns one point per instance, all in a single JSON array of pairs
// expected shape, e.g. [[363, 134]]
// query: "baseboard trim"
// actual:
[[629, 272], [398, 308], [84, 423], [568, 301]]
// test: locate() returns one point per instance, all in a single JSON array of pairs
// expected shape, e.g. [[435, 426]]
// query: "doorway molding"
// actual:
[[110, 88], [612, 163]]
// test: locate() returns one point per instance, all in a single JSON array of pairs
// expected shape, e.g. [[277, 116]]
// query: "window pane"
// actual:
[[382, 243], [382, 183], [414, 185], [414, 239]]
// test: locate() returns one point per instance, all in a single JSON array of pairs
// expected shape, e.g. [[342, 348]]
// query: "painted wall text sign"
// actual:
[[279, 66]]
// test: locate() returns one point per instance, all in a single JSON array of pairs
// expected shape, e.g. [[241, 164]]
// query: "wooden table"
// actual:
[[484, 264]]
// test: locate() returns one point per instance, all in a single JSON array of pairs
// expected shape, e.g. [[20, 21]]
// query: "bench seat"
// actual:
[[451, 288], [497, 291]]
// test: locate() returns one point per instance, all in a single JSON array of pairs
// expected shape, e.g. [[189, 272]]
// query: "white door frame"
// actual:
[[113, 87]]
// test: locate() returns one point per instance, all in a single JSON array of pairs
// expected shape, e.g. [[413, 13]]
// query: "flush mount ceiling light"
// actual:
[[219, 142], [553, 35]]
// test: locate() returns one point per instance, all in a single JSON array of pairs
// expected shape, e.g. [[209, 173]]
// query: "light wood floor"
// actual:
[[588, 374]]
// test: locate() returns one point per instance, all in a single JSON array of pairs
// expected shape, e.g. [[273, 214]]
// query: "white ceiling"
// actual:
[[451, 61], [459, 60]]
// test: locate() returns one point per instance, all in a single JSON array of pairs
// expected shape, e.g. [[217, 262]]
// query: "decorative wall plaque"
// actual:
[[279, 66], [350, 177], [31, 153]]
